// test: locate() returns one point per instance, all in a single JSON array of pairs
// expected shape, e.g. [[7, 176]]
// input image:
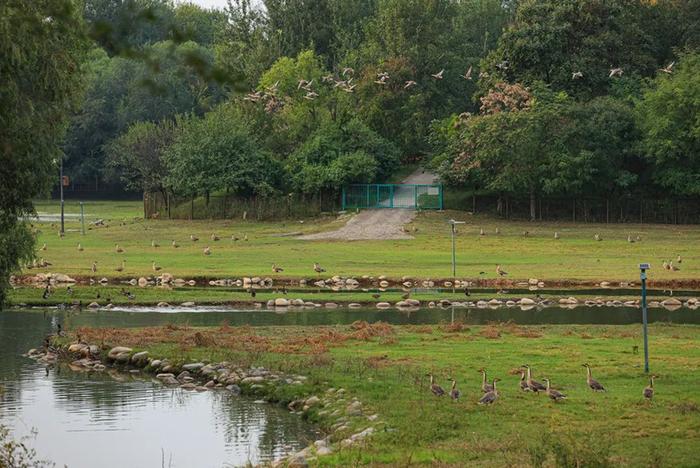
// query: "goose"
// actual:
[[490, 397], [435, 388], [597, 237], [629, 239], [468, 74], [349, 89], [207, 250], [672, 267], [500, 271], [665, 265], [276, 269], [409, 84], [556, 235], [381, 81], [311, 96], [154, 244], [118, 249], [214, 237], [485, 386], [302, 83], [498, 231], [615, 72], [481, 232], [194, 238], [234, 238], [318, 269], [668, 68], [577, 75], [454, 393], [348, 70], [592, 383], [438, 75], [120, 268], [554, 395], [175, 245], [80, 248], [523, 383], [534, 385], [679, 259], [94, 267], [503, 65], [43, 247], [155, 267], [648, 391], [245, 237]]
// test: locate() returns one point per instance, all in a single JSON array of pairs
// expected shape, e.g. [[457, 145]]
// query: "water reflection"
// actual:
[[92, 420]]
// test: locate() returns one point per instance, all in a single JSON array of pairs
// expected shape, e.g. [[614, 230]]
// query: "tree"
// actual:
[[549, 40], [137, 156], [669, 119], [41, 48], [216, 153]]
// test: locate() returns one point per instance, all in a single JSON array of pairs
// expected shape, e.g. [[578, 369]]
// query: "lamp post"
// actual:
[[643, 267], [63, 230], [452, 224]]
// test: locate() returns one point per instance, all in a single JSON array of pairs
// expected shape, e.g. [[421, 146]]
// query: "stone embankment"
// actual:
[[346, 419]]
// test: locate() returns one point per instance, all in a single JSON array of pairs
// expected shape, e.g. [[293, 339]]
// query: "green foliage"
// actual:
[[137, 156], [217, 152], [41, 48], [669, 118]]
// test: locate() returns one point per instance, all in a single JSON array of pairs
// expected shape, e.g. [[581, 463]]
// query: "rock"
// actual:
[[495, 302], [165, 375], [210, 384], [193, 367], [533, 281], [448, 284], [253, 379], [671, 302], [482, 304], [297, 461], [354, 409], [354, 305], [383, 284], [605, 284], [188, 386], [142, 282], [93, 305], [112, 354], [413, 302], [187, 304], [298, 302], [163, 304], [431, 304], [526, 301], [74, 348], [321, 451], [156, 363], [233, 388], [407, 284], [311, 401], [122, 358], [383, 305], [402, 304], [330, 305], [373, 417], [281, 302], [140, 358]]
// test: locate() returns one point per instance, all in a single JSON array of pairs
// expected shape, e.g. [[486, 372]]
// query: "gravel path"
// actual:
[[381, 224]]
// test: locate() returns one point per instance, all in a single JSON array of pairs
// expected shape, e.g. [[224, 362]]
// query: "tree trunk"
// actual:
[[206, 194], [499, 206], [533, 206]]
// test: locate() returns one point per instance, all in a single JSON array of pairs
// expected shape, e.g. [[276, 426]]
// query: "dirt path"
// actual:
[[382, 224], [369, 225]]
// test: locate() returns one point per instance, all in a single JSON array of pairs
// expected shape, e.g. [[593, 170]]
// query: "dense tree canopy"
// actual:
[[41, 51]]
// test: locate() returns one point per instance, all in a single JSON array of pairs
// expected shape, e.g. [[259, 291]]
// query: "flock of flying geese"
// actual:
[[344, 82], [527, 384]]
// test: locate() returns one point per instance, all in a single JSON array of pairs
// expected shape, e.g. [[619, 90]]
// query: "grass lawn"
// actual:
[[576, 256], [386, 370]]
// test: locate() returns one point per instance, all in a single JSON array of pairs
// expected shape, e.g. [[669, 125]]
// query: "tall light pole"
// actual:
[[452, 224], [643, 267], [63, 230]]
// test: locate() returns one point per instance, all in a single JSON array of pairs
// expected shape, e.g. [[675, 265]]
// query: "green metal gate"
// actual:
[[423, 197]]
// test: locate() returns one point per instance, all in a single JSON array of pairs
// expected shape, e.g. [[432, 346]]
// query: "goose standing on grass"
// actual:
[[435, 388], [194, 238], [500, 271], [80, 247], [490, 397], [555, 395], [629, 239], [438, 75], [648, 391], [454, 393], [534, 385], [523, 383], [485, 386], [679, 259], [592, 383], [556, 235], [120, 268], [155, 267], [214, 237], [43, 247], [118, 249], [277, 269], [207, 250], [154, 244], [597, 237], [174, 244], [318, 269]]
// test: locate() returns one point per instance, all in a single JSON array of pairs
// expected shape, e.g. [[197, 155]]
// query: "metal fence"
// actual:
[[414, 196]]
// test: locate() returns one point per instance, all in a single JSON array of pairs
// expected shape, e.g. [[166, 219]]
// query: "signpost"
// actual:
[[643, 267]]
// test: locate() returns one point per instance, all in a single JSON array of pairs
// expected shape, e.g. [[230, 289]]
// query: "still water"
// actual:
[[82, 420]]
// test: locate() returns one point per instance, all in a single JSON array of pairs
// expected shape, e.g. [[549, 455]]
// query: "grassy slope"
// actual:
[[575, 256], [387, 374]]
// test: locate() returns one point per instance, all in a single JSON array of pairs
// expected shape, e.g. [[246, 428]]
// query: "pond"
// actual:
[[82, 420]]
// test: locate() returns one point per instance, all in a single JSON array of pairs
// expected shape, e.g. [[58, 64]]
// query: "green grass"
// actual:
[[576, 256], [387, 373]]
